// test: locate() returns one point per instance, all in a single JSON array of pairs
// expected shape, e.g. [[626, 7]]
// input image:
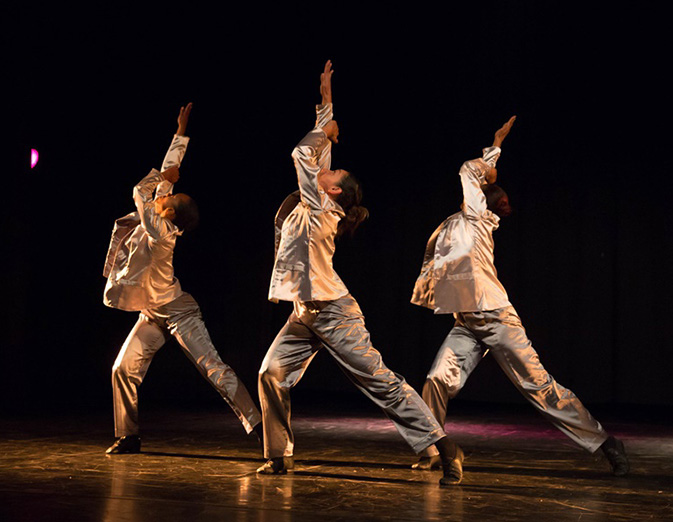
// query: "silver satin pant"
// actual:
[[501, 332], [338, 326], [180, 318]]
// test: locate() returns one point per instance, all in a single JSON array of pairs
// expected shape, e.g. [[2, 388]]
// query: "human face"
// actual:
[[165, 205], [503, 209], [329, 181]]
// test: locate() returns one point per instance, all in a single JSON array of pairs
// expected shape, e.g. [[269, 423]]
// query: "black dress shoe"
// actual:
[[126, 444], [276, 466], [426, 463], [453, 472], [616, 454]]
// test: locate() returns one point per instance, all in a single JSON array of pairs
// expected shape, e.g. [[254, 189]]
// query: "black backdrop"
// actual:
[[417, 90]]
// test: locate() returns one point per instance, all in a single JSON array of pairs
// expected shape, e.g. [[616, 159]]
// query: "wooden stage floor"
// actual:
[[350, 465]]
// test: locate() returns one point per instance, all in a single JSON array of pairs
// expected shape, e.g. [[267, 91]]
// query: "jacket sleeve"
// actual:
[[311, 155], [173, 157], [324, 114], [472, 177], [156, 226]]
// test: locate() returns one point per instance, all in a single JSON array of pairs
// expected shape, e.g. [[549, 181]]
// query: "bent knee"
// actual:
[[266, 375], [119, 367], [125, 367], [445, 376], [538, 382], [447, 385], [121, 371]]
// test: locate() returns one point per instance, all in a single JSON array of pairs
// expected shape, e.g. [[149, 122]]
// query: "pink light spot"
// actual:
[[34, 157]]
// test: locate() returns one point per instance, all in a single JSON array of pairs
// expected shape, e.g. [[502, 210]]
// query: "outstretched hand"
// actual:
[[502, 132], [183, 119], [326, 83]]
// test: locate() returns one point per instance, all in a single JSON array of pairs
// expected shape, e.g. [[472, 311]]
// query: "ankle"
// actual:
[[609, 444], [447, 449]]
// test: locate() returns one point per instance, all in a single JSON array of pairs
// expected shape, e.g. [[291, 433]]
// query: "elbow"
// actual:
[[302, 152], [471, 165], [474, 170], [467, 171], [138, 195], [140, 201]]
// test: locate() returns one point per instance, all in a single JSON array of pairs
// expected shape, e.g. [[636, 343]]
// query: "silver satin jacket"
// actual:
[[458, 274], [139, 262], [303, 268]]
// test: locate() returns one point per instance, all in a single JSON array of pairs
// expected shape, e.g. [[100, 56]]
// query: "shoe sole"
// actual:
[[281, 472], [452, 482], [426, 468]]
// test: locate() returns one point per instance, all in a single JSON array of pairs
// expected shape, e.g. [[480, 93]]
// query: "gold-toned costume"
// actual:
[[139, 268], [325, 314], [458, 276]]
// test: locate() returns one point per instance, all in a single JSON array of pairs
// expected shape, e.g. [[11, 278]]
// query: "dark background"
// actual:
[[417, 91]]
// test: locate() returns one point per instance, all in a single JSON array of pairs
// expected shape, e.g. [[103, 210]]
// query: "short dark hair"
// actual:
[[494, 195], [349, 199], [186, 213]]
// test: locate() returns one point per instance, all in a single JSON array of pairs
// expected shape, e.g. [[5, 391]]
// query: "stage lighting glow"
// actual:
[[34, 157]]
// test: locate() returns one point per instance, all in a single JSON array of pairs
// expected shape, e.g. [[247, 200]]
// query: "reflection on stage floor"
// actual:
[[200, 466]]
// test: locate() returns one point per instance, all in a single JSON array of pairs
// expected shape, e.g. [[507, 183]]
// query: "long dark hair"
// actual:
[[349, 199]]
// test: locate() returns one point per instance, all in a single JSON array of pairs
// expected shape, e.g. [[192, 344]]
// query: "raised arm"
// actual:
[[159, 184], [153, 223], [472, 175], [313, 153], [325, 119], [177, 149], [326, 83], [500, 135], [477, 172], [183, 119]]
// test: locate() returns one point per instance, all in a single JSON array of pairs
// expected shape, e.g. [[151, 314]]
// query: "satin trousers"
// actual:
[[501, 332], [339, 327], [181, 319]]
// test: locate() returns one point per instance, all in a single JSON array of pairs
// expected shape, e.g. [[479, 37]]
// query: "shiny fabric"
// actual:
[[458, 272], [180, 318], [303, 268], [501, 333], [139, 262], [338, 326]]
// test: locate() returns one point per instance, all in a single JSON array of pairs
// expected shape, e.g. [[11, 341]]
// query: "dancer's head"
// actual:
[[330, 180], [349, 200], [497, 200], [180, 209], [344, 188]]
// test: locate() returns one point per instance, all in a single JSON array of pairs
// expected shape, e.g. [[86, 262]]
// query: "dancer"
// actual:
[[139, 268], [325, 314], [459, 277]]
